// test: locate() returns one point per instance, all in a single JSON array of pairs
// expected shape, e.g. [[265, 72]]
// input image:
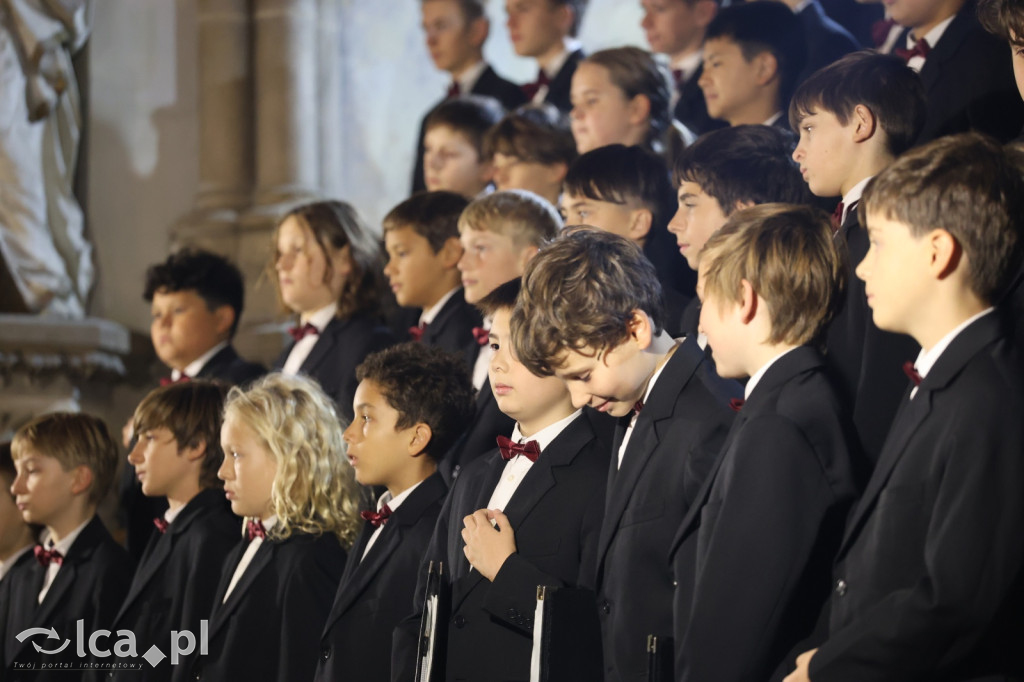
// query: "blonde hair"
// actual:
[[314, 490], [520, 215]]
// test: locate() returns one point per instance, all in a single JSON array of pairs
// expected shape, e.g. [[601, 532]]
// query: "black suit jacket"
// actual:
[[228, 366], [968, 82], [754, 574], [269, 628], [827, 41], [672, 448], [89, 586], [928, 575], [452, 329], [341, 347], [174, 585], [561, 85], [556, 515], [376, 593], [691, 110], [490, 84], [866, 363]]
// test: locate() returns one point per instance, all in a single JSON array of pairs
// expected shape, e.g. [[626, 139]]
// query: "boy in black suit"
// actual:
[[928, 578], [531, 148], [421, 237], [752, 555], [855, 117], [675, 28], [456, 31], [526, 514], [65, 464], [590, 313], [754, 54], [176, 457], [827, 40], [500, 233], [16, 536], [968, 79], [546, 31], [453, 145], [410, 406]]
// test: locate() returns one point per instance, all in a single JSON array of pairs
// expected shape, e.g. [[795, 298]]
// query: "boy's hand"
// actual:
[[487, 547], [803, 661]]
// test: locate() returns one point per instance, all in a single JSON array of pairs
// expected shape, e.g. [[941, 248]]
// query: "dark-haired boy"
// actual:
[[766, 525], [531, 148], [65, 465], [421, 237], [626, 190], [855, 117], [176, 457], [524, 515], [675, 28], [929, 576], [754, 54], [723, 171], [967, 77], [453, 145], [546, 31], [590, 313], [456, 31], [411, 404], [16, 536]]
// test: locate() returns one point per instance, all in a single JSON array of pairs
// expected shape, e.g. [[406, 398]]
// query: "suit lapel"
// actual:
[[222, 609], [324, 344], [944, 50], [222, 359]]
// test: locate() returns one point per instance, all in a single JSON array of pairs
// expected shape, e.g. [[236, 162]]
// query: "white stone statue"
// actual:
[[42, 240]]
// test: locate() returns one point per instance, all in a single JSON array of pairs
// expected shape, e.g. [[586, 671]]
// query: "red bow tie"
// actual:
[[837, 217], [254, 529], [677, 77], [912, 373], [509, 449], [167, 381], [531, 89], [416, 333], [880, 31], [299, 333], [454, 90], [921, 49], [379, 518], [481, 335], [46, 556], [638, 406], [736, 404], [161, 524]]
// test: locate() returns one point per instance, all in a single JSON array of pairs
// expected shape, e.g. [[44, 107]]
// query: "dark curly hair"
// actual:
[[213, 277]]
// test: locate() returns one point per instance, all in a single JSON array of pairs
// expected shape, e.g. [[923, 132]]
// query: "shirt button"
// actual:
[[606, 607], [460, 621], [325, 653], [841, 587]]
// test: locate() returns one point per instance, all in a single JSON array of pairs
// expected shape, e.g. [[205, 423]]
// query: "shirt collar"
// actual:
[[688, 63], [759, 374], [321, 318], [394, 502], [172, 514], [569, 45], [65, 544], [853, 196], [926, 359], [548, 433], [193, 368], [773, 118], [428, 315], [470, 76], [931, 36]]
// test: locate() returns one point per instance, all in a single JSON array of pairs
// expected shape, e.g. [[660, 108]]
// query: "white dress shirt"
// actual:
[[301, 350], [193, 368], [926, 359], [247, 557], [63, 546], [632, 421], [932, 36], [393, 504]]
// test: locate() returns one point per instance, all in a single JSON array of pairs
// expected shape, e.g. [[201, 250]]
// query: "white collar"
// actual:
[[548, 433], [172, 514], [394, 502], [428, 315], [193, 368], [569, 45], [657, 372], [926, 359], [853, 196], [759, 374], [321, 318], [931, 36], [65, 544], [688, 63], [470, 76], [773, 118]]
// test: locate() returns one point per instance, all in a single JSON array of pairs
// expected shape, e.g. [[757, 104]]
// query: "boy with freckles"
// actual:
[[526, 514]]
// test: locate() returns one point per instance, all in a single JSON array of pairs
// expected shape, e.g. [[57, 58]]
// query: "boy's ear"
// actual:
[[476, 32], [225, 318], [451, 252], [639, 109], [766, 67], [421, 436], [640, 224], [945, 252], [640, 329], [704, 11], [193, 452], [82, 480], [748, 302], [740, 205], [864, 123]]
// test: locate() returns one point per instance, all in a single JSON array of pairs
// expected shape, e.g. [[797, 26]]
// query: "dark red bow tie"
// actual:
[[161, 524], [912, 373], [736, 404], [416, 333], [377, 518], [677, 77], [837, 217], [509, 449], [481, 335], [46, 556], [167, 381], [880, 31], [531, 89], [299, 333], [921, 49], [255, 529], [454, 90], [638, 406]]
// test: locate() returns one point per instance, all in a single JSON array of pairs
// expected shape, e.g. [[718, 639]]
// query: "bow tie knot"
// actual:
[[255, 529], [299, 333], [47, 556], [481, 335], [736, 404], [921, 49], [912, 373], [168, 381], [531, 89], [416, 333], [161, 524], [378, 518], [509, 449]]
